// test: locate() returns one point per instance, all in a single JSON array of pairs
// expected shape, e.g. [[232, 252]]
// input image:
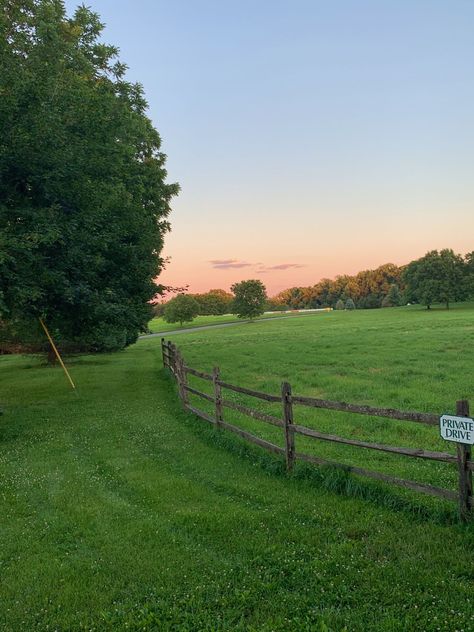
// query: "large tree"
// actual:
[[438, 277], [83, 194], [469, 280], [183, 308], [250, 299]]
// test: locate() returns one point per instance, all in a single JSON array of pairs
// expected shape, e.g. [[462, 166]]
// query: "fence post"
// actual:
[[217, 395], [171, 357], [163, 352], [179, 373], [288, 421], [465, 474], [183, 379]]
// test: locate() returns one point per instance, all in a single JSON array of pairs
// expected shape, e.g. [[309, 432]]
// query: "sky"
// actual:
[[310, 138]]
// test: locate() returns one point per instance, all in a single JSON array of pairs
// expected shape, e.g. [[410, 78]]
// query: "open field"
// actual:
[[404, 358], [120, 511], [158, 324]]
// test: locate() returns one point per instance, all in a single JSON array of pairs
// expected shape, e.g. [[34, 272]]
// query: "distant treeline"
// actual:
[[367, 289], [438, 277]]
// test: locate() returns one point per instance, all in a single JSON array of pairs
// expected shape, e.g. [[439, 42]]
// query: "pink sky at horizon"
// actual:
[[200, 279], [294, 255]]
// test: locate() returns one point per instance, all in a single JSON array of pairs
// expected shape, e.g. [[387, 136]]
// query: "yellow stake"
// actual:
[[57, 353]]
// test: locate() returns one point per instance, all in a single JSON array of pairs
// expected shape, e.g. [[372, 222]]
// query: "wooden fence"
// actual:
[[173, 360]]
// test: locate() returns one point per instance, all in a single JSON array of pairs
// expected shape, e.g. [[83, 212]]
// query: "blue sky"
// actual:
[[323, 136]]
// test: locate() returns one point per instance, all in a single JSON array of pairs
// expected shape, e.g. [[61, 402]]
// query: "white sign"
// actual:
[[459, 429]]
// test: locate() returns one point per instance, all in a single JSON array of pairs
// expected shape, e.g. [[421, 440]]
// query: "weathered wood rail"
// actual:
[[173, 360]]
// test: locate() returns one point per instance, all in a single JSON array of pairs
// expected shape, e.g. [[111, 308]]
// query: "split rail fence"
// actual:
[[173, 360]]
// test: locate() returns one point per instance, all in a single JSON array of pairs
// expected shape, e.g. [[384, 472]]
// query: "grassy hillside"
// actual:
[[121, 512]]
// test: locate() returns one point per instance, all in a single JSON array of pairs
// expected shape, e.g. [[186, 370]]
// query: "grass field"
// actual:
[[122, 512], [158, 324], [409, 359]]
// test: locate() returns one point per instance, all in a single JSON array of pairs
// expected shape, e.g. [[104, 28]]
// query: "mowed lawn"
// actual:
[[159, 324], [119, 511]]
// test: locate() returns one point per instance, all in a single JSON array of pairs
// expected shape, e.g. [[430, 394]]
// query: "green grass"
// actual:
[[122, 512], [405, 358], [158, 324]]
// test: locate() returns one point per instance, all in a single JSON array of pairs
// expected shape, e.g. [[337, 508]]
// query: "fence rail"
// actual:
[[173, 360]]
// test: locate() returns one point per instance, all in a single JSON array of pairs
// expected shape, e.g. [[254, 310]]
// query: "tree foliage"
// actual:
[[250, 298], [393, 298], [438, 277], [214, 302], [366, 289], [181, 309], [83, 194], [469, 276]]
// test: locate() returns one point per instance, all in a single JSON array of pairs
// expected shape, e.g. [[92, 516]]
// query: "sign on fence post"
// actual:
[[460, 429], [457, 428]]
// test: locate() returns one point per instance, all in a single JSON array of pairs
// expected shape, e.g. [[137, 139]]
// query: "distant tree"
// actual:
[[393, 298], [371, 301], [214, 302], [250, 298], [395, 295], [275, 305], [83, 193], [469, 274], [158, 309], [366, 289], [294, 297], [181, 309], [438, 277], [350, 304], [340, 304]]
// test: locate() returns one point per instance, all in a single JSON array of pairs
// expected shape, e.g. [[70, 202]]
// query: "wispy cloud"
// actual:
[[224, 264], [281, 266], [286, 266]]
